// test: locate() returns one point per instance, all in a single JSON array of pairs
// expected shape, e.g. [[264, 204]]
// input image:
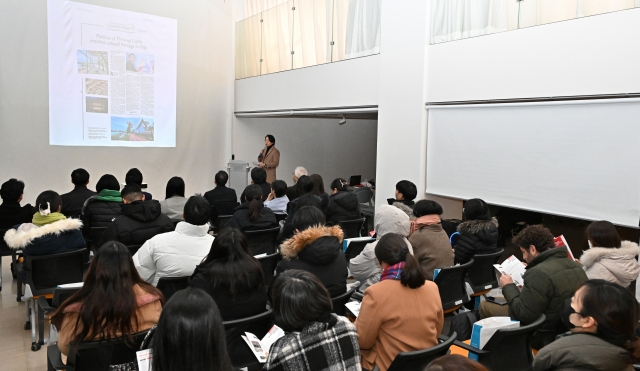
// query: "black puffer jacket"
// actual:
[[140, 220], [241, 218], [98, 213], [317, 250], [342, 206], [476, 237]]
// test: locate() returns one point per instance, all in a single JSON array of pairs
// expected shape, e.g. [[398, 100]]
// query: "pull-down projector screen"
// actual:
[[112, 77], [577, 159]]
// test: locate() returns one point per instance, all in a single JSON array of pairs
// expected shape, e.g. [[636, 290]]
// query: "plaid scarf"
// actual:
[[392, 272]]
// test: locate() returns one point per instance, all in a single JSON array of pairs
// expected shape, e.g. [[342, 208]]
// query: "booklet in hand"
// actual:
[[260, 348], [513, 267], [354, 307], [560, 241]]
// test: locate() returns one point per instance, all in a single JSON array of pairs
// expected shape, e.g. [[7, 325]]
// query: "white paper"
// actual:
[[354, 307], [271, 337], [71, 285], [514, 268], [484, 329], [254, 344], [144, 360]]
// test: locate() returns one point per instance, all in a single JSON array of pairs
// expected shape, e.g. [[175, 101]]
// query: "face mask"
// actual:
[[565, 314]]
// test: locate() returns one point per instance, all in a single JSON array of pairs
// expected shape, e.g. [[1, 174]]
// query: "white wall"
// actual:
[[591, 55], [320, 145], [347, 83], [204, 106]]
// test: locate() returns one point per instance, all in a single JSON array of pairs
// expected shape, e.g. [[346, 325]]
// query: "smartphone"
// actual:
[[496, 300]]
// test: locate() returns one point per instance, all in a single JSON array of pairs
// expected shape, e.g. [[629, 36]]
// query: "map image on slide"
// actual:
[[93, 62], [140, 63], [97, 105], [132, 129], [97, 87]]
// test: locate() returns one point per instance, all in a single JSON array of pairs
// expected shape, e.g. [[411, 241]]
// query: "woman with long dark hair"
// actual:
[[603, 318], [173, 204], [252, 214], [113, 302], [190, 335], [232, 277], [318, 191], [343, 205], [402, 312]]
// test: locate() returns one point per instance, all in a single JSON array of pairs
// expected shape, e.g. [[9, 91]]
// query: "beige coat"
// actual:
[[394, 318], [617, 265], [271, 162], [432, 248]]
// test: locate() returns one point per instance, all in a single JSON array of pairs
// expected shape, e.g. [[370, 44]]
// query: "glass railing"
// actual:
[[304, 33], [460, 19]]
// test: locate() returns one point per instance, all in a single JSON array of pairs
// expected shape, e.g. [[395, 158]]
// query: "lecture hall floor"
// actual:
[[15, 342]]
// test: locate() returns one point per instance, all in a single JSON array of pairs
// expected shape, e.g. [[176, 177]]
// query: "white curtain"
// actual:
[[363, 28], [312, 32], [253, 7], [459, 19]]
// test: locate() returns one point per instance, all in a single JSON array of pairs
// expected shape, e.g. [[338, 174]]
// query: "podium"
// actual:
[[238, 175]]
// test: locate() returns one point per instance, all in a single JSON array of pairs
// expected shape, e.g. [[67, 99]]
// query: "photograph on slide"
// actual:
[[97, 105], [96, 87], [93, 62], [140, 63], [132, 129]]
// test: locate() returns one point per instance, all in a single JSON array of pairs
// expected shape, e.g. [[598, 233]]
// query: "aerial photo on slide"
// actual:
[[132, 129]]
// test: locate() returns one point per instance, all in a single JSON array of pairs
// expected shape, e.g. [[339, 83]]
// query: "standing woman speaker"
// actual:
[[269, 157]]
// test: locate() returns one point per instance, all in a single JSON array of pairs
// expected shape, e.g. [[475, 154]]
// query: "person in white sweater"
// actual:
[[609, 258], [176, 254]]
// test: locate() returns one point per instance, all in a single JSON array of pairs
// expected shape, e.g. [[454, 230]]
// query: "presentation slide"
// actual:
[[112, 77]]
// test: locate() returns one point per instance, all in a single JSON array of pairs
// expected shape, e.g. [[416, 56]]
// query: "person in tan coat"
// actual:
[[269, 158], [402, 312], [114, 301], [430, 242]]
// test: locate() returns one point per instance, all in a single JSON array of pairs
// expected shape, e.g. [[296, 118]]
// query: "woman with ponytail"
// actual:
[[603, 318], [252, 215], [343, 205], [49, 232], [402, 312]]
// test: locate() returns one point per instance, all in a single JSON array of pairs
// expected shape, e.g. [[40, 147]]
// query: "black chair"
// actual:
[[239, 352], [269, 264], [97, 355], [508, 349], [170, 285], [451, 285], [46, 308], [352, 228], [340, 300], [133, 249], [355, 248], [41, 274], [223, 208], [482, 275], [220, 222], [95, 237], [262, 241], [419, 359]]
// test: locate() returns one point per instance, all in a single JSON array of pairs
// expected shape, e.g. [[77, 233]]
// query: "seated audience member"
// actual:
[[277, 200], [388, 219], [100, 210], [293, 192], [402, 312], [72, 202], [113, 301], [406, 192], [49, 232], [455, 362], [252, 214], [317, 249], [287, 229], [478, 232], [11, 213], [430, 242], [232, 277], [134, 176], [173, 204], [259, 178], [222, 198], [343, 205], [603, 317], [189, 335], [550, 279], [318, 191], [305, 189], [609, 258], [315, 338], [176, 254], [140, 219]]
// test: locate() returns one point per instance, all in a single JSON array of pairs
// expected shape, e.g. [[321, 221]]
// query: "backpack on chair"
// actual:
[[462, 324]]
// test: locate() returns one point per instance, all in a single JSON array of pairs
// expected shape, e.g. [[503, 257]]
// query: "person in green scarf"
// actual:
[[99, 210]]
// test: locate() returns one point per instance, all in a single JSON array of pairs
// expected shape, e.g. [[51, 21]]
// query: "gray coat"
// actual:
[[432, 248]]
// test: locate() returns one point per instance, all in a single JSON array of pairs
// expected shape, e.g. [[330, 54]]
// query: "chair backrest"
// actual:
[[239, 351], [269, 264], [170, 285], [364, 194], [262, 241], [510, 349], [355, 248], [221, 221], [100, 355], [62, 294], [4, 249], [223, 208], [419, 359], [451, 285], [340, 300], [482, 275], [133, 249], [45, 272], [352, 228]]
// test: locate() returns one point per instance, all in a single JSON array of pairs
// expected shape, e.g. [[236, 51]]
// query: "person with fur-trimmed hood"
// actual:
[[609, 258], [478, 233], [49, 232], [317, 249]]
